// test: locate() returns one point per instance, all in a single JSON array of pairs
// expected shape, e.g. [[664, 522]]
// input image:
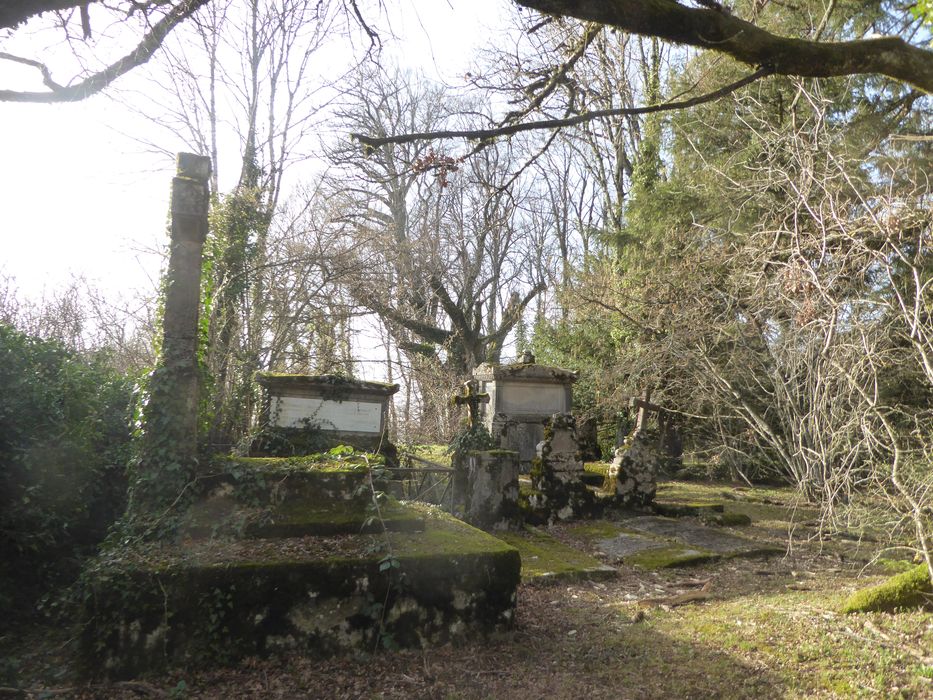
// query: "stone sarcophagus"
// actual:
[[522, 398], [310, 413]]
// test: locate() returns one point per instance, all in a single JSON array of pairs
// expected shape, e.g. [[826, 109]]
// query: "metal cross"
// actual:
[[472, 398]]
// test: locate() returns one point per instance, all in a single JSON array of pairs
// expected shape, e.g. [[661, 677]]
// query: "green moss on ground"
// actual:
[[545, 557], [680, 509], [726, 519], [911, 589], [893, 566]]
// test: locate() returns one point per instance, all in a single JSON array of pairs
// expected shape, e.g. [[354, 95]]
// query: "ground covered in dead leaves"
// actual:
[[769, 629]]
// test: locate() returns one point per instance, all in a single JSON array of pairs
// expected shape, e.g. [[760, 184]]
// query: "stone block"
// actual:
[[219, 601], [492, 490]]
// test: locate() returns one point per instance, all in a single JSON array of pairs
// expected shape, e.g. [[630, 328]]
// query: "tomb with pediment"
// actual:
[[522, 398]]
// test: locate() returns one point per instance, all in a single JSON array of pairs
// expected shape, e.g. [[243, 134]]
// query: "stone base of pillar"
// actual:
[[492, 490]]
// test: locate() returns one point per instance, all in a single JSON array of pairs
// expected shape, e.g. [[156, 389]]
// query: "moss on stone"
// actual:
[[300, 517], [730, 519], [666, 557], [544, 557], [894, 566], [596, 529], [215, 602], [910, 589], [319, 462], [601, 468], [445, 533]]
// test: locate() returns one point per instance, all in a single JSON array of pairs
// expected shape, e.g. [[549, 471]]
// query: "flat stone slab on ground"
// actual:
[[546, 558], [651, 552], [625, 544], [708, 538]]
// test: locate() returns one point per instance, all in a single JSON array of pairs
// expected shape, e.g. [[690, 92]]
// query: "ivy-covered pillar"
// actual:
[[169, 448]]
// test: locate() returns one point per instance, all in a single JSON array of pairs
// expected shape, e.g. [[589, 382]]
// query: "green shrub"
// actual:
[[64, 440]]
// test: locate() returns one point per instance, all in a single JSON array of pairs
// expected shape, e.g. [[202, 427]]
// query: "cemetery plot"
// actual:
[[290, 566]]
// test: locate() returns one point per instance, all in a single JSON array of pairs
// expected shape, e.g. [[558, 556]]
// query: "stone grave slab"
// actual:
[[298, 586], [648, 552], [627, 543], [546, 559], [522, 398], [699, 536]]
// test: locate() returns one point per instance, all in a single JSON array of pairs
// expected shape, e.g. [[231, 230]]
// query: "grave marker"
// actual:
[[522, 398], [336, 409]]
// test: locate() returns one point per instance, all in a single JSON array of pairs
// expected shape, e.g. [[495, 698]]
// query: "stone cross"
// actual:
[[670, 441], [472, 397], [644, 406]]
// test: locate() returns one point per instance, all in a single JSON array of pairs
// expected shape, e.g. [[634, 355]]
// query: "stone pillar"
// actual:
[[170, 420], [492, 490]]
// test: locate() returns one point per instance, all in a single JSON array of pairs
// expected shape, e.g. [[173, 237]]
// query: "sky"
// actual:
[[82, 198]]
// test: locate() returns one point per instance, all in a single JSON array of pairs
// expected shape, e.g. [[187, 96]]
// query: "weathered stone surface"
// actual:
[[522, 397], [225, 600], [708, 538], [545, 559], [625, 544], [587, 435], [310, 413], [170, 418], [492, 490], [520, 436], [633, 474], [557, 473]]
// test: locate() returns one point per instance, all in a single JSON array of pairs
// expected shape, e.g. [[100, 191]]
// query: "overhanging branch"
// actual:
[[149, 44], [726, 33], [370, 142]]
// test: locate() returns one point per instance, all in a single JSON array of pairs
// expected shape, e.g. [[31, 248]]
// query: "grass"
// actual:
[[432, 453]]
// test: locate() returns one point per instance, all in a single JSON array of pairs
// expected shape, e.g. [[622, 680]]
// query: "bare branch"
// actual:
[[370, 142], [149, 44]]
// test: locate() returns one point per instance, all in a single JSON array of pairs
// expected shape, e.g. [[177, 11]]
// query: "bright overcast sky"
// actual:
[[80, 197]]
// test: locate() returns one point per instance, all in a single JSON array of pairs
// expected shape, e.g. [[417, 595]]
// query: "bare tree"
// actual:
[[438, 239]]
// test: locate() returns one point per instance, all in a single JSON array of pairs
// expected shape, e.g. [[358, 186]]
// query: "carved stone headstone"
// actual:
[[556, 474], [335, 410], [633, 474]]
